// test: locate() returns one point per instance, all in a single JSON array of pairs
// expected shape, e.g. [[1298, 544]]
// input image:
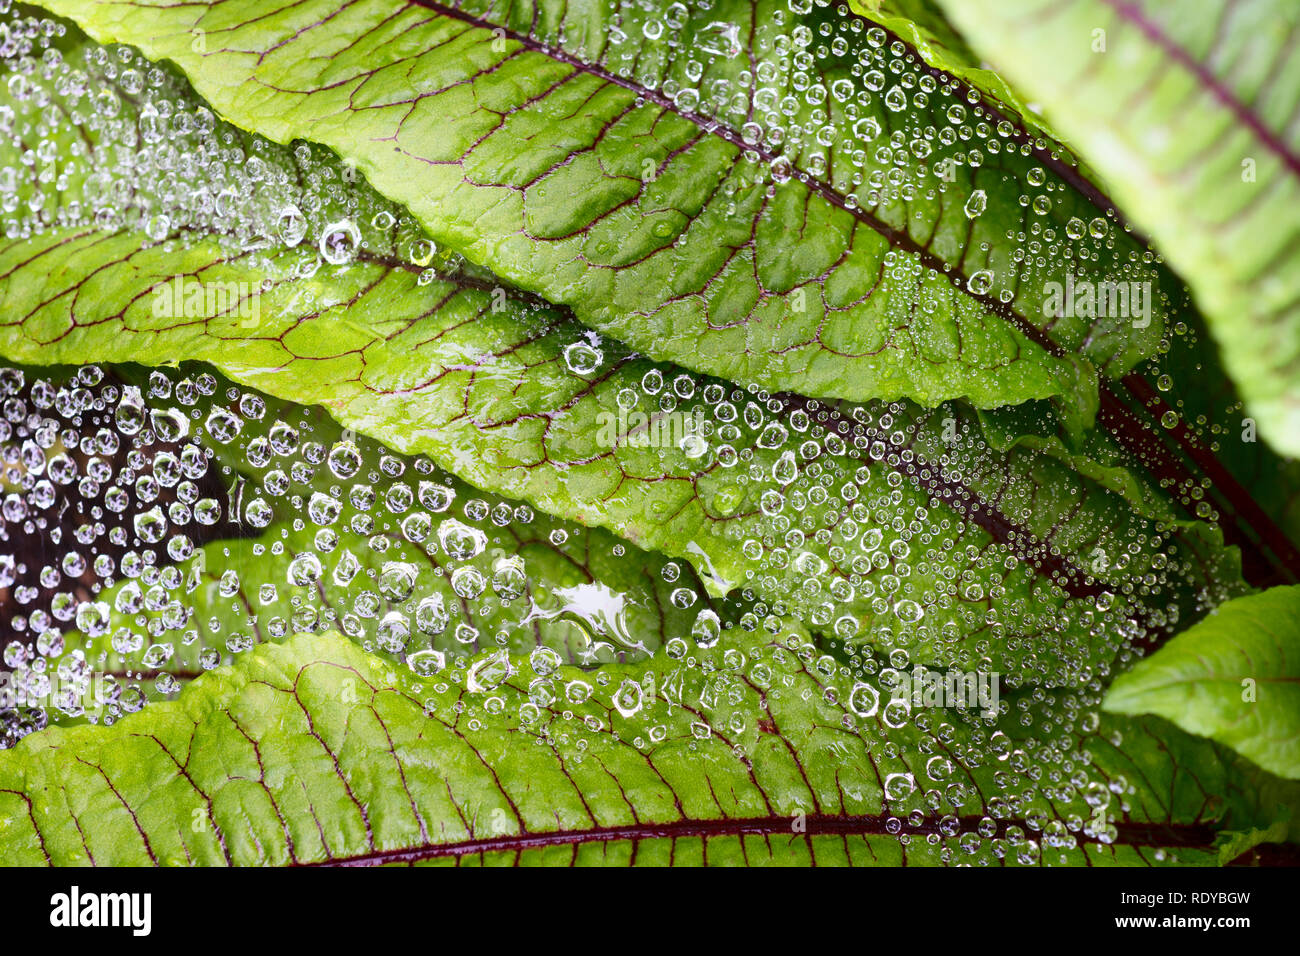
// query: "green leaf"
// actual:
[[1234, 844], [1204, 156], [852, 271], [1243, 486], [313, 751], [1233, 677], [1030, 240], [578, 591], [442, 360]]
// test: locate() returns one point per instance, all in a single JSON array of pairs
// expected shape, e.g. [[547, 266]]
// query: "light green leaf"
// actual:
[[1234, 677], [1234, 844], [448, 363], [714, 228], [1030, 241], [1187, 110], [313, 751]]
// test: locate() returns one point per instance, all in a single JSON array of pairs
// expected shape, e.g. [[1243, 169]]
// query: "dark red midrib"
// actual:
[[1131, 13], [1236, 502], [1269, 854], [1147, 444], [1026, 546], [1175, 835], [1232, 497]]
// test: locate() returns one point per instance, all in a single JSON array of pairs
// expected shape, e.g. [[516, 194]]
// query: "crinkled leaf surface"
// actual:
[[1234, 677], [313, 751], [775, 214], [1042, 565], [1022, 552], [1187, 109], [688, 127]]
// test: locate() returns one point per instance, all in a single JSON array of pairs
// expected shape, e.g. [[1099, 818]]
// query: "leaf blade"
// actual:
[[1206, 680], [738, 330], [309, 751], [1210, 183]]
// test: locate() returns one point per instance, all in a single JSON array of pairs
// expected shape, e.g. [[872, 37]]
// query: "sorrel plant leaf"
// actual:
[[1189, 120], [1232, 677]]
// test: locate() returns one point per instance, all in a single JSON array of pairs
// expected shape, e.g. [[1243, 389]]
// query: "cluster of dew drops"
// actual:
[[111, 490], [777, 73], [120, 501], [802, 81], [104, 138]]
